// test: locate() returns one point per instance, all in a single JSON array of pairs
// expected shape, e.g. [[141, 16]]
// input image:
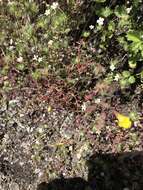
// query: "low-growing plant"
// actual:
[[78, 43]]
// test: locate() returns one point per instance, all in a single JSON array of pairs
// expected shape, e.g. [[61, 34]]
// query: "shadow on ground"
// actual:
[[106, 172]]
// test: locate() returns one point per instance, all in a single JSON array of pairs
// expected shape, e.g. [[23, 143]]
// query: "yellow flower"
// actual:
[[123, 121]]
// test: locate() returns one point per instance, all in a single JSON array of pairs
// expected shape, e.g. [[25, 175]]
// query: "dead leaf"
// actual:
[[90, 109], [100, 121]]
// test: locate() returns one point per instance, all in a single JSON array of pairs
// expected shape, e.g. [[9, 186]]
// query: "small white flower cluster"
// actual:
[[97, 101], [10, 2], [50, 42], [117, 77], [40, 59], [129, 10], [91, 27], [47, 12], [83, 107], [112, 67], [54, 6], [11, 43], [100, 21], [20, 59], [37, 58]]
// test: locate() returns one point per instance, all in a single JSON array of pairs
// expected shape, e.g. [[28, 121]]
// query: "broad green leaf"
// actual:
[[132, 36], [131, 80], [105, 12], [86, 34], [132, 64], [120, 11], [126, 74], [123, 83]]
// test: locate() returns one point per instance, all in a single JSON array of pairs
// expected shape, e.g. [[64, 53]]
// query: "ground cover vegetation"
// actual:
[[71, 73]]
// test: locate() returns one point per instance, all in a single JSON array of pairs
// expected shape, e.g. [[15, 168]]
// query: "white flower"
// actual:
[[11, 41], [11, 48], [91, 27], [40, 174], [40, 130], [112, 67], [97, 101], [78, 156], [129, 10], [10, 2], [47, 12], [100, 21], [50, 42], [117, 77], [20, 59], [35, 57], [37, 171], [21, 163], [83, 107], [40, 59], [37, 142], [55, 5]]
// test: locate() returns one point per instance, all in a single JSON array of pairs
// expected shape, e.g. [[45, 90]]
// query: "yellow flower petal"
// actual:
[[123, 121]]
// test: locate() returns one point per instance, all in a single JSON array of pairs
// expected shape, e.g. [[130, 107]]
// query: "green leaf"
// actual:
[[120, 11], [27, 31], [86, 34], [42, 22], [105, 12], [59, 21], [136, 3], [123, 83], [133, 36], [132, 64], [131, 80], [111, 26], [20, 67], [134, 116], [141, 74], [36, 75], [126, 74]]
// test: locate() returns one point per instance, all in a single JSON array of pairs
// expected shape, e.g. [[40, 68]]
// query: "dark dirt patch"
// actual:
[[106, 171]]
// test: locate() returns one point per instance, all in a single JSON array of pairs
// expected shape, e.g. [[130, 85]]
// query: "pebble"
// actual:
[[126, 188], [14, 186]]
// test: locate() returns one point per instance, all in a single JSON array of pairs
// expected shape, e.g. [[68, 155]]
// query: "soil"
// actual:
[[40, 143]]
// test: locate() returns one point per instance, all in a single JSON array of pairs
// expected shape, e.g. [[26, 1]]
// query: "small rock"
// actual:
[[126, 188], [14, 186]]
